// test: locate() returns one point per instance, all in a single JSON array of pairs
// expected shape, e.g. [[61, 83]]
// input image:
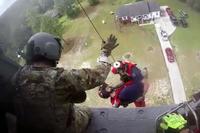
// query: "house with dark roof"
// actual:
[[138, 12]]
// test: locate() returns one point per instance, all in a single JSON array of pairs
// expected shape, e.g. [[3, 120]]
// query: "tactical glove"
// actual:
[[109, 45]]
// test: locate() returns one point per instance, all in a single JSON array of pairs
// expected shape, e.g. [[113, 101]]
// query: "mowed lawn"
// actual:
[[187, 46], [141, 42]]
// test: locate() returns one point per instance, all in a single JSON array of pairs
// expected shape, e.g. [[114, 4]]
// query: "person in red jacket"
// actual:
[[132, 88]]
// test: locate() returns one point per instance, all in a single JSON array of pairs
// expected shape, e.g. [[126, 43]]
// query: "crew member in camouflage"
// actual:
[[46, 94]]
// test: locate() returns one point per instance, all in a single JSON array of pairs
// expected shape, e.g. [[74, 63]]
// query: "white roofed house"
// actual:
[[139, 12]]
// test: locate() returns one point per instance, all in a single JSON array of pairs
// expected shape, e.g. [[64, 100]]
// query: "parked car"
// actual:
[[183, 22], [170, 55], [164, 35]]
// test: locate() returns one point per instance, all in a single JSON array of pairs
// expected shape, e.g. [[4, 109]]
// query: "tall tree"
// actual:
[[46, 4], [72, 8], [60, 5], [42, 5], [33, 20], [51, 25], [41, 23], [68, 7]]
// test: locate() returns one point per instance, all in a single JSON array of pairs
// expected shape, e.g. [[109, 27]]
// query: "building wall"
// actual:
[[155, 14], [141, 17], [146, 17], [150, 16], [133, 19]]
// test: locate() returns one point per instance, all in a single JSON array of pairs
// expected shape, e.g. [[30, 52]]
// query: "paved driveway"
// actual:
[[173, 69]]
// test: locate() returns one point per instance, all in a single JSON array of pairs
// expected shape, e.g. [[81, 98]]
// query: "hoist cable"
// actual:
[[93, 25], [90, 20]]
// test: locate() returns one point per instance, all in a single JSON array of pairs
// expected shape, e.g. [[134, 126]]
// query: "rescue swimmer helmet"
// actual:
[[116, 66], [122, 66], [43, 45]]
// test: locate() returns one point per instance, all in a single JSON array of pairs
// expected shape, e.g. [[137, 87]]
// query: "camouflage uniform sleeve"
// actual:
[[85, 79]]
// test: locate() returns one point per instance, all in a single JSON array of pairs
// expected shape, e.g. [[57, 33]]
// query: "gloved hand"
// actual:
[[109, 45]]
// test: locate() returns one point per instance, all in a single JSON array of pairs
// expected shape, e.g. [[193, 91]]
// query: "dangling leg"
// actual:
[[140, 103], [131, 93]]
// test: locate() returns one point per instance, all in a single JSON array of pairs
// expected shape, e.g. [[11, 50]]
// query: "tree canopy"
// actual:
[[195, 4], [68, 7], [93, 2], [35, 16], [42, 23]]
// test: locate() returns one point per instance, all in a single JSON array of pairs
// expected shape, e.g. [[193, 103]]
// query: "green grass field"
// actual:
[[141, 42]]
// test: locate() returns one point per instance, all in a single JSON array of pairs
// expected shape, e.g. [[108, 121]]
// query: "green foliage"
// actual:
[[93, 2], [46, 4], [195, 4], [33, 20], [42, 5], [60, 5], [51, 25], [72, 8], [42, 23], [68, 7]]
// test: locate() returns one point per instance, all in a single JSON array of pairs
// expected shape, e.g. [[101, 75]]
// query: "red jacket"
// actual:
[[128, 66], [128, 70]]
